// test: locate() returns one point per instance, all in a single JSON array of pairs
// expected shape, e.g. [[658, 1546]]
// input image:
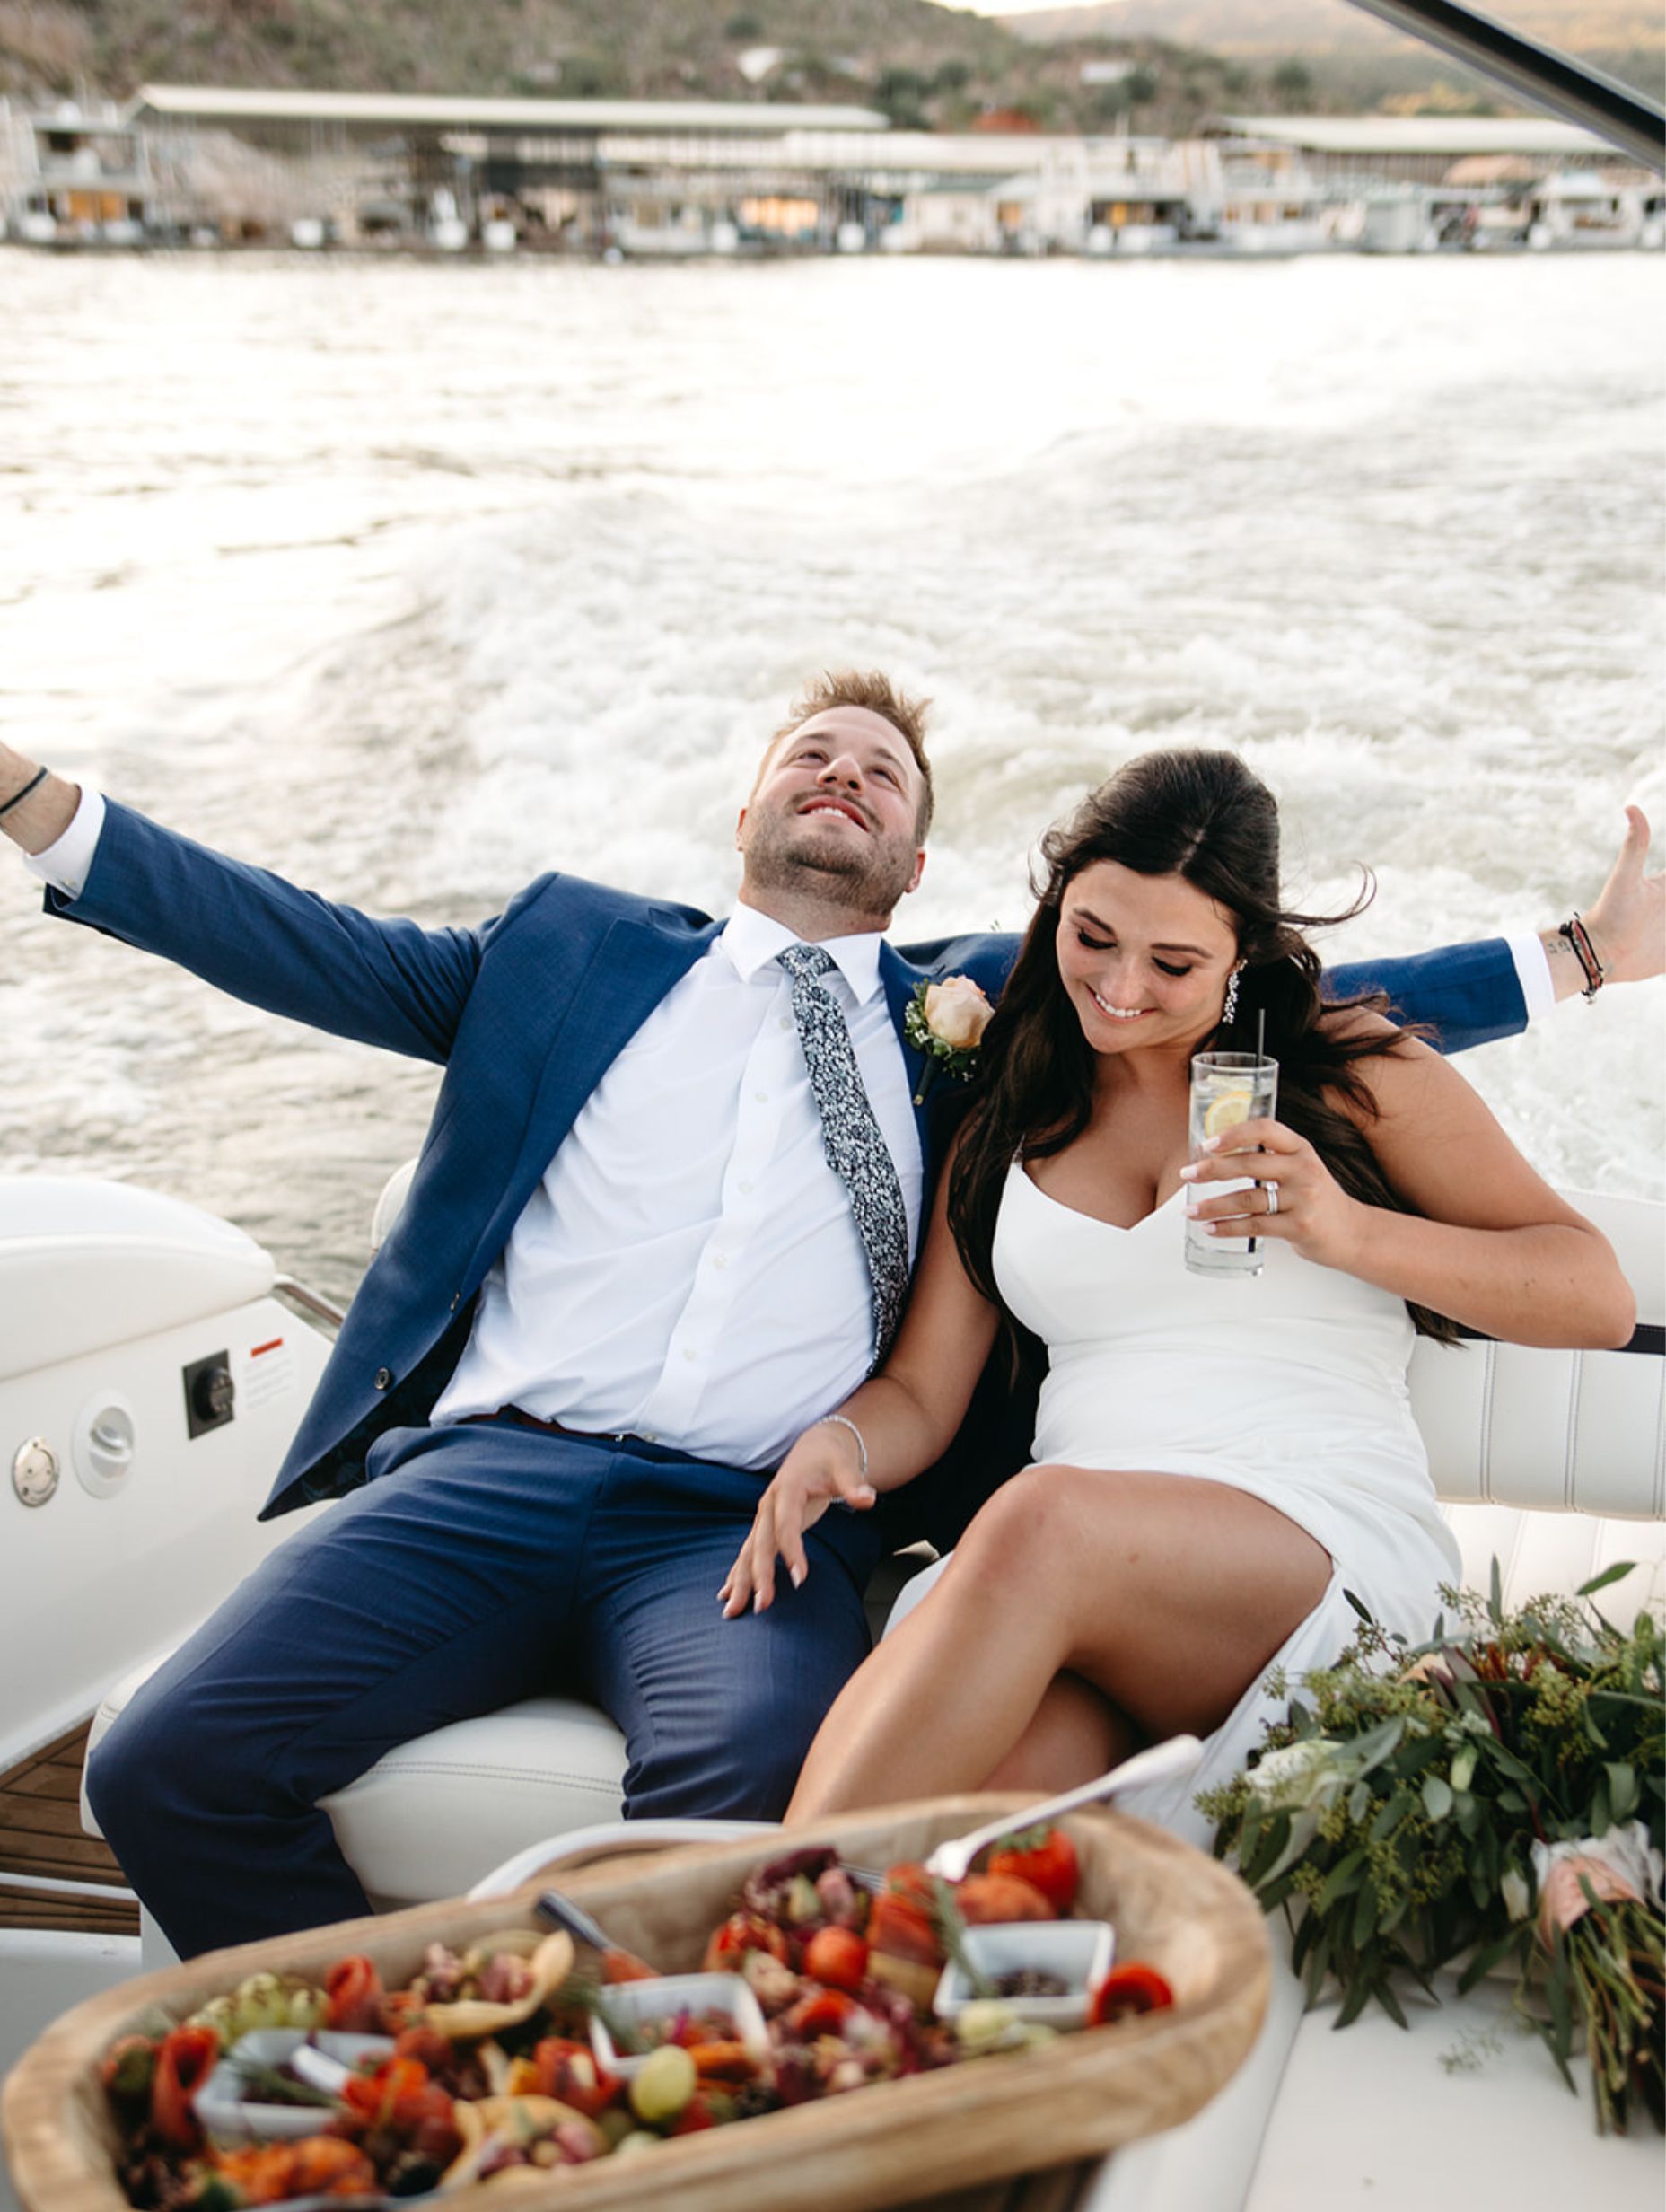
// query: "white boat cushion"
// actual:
[[1557, 1432], [434, 1815]]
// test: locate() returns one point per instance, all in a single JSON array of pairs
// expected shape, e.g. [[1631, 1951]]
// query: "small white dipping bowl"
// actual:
[[1078, 1951], [635, 2003], [222, 2104]]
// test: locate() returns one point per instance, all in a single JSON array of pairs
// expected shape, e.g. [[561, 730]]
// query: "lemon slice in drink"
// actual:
[[1226, 1111]]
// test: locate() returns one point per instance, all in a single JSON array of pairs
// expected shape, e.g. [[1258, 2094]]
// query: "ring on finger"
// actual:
[[1272, 1196]]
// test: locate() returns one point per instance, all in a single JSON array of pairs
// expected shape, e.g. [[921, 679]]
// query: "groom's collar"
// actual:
[[751, 940]]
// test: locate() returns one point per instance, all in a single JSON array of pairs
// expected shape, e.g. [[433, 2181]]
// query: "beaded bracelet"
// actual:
[[34, 783], [1585, 952]]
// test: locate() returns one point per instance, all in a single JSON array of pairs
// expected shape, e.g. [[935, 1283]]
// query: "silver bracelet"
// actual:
[[838, 1420]]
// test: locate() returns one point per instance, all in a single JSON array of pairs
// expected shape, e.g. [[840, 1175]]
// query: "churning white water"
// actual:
[[413, 580]]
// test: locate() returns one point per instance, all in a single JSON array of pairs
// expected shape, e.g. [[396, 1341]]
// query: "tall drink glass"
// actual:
[[1227, 1088]]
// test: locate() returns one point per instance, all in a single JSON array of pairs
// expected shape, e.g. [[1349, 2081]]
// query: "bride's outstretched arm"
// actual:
[[1490, 1244], [898, 1424]]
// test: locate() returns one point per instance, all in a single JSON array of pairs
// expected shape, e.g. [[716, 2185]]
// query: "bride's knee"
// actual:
[[1023, 1526]]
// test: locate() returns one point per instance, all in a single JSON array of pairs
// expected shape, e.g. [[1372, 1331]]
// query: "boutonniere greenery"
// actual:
[[945, 1023]]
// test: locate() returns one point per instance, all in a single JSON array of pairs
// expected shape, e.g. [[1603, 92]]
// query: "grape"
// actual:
[[664, 2084]]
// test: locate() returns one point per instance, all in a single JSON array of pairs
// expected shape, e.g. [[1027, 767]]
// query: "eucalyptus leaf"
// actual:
[[1342, 1881], [1392, 1814], [1437, 1796], [1488, 1956], [1617, 1572], [1391, 2003], [1624, 1795], [1365, 1910]]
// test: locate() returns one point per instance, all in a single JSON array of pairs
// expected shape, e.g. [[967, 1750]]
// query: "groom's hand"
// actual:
[[823, 1469]]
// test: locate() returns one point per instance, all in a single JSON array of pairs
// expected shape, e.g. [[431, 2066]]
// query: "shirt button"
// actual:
[[720, 1259], [384, 1378], [762, 1097], [746, 1186], [785, 1021], [688, 1352]]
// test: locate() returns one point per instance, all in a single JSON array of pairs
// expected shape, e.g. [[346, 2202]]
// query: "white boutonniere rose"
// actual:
[[945, 1022]]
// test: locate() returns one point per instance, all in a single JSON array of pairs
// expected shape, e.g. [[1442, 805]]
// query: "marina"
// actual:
[[639, 179]]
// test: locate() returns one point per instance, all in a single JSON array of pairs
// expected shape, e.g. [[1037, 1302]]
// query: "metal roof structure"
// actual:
[[394, 111], [1453, 136]]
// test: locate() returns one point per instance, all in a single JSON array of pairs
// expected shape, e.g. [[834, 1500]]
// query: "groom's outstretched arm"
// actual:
[[1472, 993], [250, 933]]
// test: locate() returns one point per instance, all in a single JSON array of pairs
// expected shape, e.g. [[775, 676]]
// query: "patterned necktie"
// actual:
[[855, 1148]]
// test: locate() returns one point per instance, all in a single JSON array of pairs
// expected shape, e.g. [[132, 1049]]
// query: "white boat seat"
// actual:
[[1553, 1462]]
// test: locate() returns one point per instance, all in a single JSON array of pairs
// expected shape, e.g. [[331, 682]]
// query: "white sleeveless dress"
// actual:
[[1290, 1385]]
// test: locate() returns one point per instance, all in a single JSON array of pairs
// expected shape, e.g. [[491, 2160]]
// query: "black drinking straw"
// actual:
[[1261, 1054]]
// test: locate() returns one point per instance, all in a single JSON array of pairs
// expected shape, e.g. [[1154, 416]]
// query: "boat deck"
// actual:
[[41, 1843]]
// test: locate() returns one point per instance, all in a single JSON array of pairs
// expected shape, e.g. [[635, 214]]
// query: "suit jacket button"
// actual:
[[384, 1378]]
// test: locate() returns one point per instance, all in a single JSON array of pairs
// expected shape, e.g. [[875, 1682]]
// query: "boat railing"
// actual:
[[297, 1294]]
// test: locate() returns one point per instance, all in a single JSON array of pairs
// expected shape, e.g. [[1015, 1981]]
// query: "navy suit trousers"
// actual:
[[479, 1564]]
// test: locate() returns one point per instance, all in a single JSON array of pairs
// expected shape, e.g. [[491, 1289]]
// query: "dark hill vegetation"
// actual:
[[1159, 66]]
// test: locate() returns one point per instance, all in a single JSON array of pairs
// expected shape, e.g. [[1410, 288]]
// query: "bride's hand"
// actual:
[[823, 1467], [1298, 1201]]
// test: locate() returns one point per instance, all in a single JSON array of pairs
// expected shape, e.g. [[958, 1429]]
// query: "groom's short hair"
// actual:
[[870, 687]]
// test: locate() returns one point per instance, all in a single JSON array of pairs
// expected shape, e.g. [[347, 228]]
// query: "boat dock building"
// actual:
[[650, 177]]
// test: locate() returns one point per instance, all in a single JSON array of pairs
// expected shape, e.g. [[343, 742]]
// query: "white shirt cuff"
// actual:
[[1533, 970], [67, 863]]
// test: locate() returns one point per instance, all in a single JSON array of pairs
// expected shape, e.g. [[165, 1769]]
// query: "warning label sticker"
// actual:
[[264, 1371]]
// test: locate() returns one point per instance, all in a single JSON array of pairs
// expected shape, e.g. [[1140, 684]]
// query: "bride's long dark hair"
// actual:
[[1204, 817]]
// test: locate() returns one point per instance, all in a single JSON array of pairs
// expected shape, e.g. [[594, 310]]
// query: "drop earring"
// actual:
[[1231, 1008]]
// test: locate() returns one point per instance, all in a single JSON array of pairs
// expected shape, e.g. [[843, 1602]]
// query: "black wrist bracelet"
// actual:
[[1585, 954], [17, 798]]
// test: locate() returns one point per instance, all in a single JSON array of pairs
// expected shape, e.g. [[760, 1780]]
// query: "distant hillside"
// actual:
[[925, 67], [829, 49], [1354, 58], [1159, 66]]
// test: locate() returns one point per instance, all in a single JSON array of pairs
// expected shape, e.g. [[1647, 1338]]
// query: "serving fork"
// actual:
[[1163, 1762]]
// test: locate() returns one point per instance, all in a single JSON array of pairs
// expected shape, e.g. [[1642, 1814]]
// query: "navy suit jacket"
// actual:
[[525, 1015]]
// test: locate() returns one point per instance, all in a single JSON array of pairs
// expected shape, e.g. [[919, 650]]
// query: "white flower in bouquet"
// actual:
[[1300, 1776], [1518, 1897]]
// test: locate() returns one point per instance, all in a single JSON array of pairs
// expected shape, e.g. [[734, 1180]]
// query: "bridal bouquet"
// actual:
[[1497, 1797]]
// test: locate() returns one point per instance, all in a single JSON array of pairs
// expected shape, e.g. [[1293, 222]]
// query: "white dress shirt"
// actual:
[[690, 1269]]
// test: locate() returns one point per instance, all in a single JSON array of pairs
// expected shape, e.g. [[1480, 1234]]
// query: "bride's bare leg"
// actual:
[[1168, 1594], [1074, 1734]]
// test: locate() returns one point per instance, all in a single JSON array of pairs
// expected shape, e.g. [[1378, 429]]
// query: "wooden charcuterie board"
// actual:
[[928, 2135]]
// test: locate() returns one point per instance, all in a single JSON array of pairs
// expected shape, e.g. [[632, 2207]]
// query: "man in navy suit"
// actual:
[[627, 1274]]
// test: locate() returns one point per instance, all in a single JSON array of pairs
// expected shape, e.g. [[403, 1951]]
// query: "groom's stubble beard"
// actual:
[[788, 854]]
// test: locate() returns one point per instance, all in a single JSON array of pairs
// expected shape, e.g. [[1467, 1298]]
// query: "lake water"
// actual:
[[413, 580]]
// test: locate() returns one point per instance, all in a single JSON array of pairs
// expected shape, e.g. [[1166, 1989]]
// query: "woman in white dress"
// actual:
[[1217, 1461]]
